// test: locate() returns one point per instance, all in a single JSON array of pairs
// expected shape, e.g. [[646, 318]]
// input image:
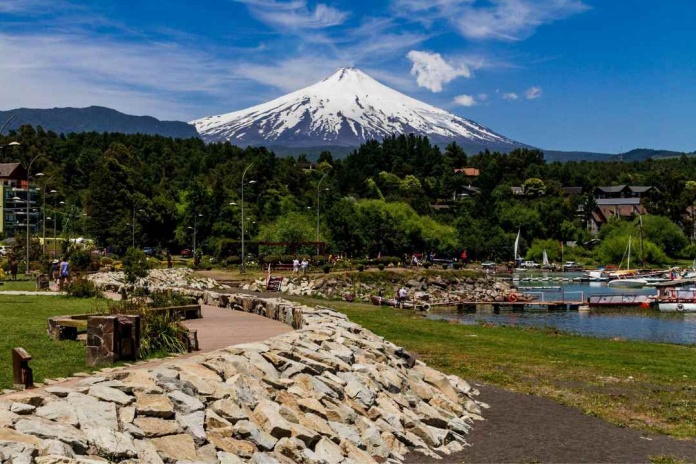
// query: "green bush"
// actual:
[[272, 259], [380, 266], [457, 266], [319, 260], [361, 267], [135, 265], [427, 264], [327, 268], [106, 261], [231, 261], [80, 260], [164, 298], [81, 288]]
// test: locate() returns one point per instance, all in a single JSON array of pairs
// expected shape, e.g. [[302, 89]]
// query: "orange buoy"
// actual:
[[512, 297]]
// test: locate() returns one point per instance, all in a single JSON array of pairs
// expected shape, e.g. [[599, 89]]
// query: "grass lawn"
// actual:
[[26, 286], [24, 320], [641, 385]]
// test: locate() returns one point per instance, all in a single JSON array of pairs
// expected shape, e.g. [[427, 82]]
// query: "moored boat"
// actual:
[[683, 307]]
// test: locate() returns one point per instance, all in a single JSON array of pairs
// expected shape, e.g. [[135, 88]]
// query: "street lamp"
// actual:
[[318, 191], [195, 230], [43, 209], [243, 268], [133, 222], [28, 201]]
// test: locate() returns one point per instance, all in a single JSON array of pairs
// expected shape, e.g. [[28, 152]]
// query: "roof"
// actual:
[[571, 190], [617, 201], [640, 188], [612, 188], [8, 169], [471, 189], [517, 190], [470, 172]]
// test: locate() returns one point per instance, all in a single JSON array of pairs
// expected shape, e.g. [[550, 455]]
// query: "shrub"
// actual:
[[81, 288], [106, 261], [135, 265], [427, 265], [361, 267], [231, 261], [457, 266], [164, 298], [380, 266], [272, 259], [80, 260], [319, 260], [327, 268]]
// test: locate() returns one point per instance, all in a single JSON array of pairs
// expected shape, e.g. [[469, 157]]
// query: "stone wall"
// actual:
[[328, 392]]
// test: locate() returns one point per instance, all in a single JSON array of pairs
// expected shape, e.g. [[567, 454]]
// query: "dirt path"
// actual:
[[524, 428]]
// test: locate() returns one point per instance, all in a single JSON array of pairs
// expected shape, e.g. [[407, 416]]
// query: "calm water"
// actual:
[[630, 323]]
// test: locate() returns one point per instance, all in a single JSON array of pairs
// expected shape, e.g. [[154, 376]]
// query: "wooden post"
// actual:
[[22, 373]]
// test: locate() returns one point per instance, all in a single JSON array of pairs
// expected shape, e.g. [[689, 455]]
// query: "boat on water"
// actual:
[[676, 296], [620, 300], [394, 303], [627, 282]]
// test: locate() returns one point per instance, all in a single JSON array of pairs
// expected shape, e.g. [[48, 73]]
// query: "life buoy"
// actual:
[[512, 297], [426, 306], [680, 307]]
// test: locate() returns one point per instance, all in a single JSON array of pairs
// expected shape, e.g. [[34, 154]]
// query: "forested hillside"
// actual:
[[391, 197]]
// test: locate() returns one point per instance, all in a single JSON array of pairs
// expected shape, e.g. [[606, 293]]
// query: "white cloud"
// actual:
[[513, 19], [295, 14], [482, 97], [495, 19], [465, 100], [432, 71], [533, 93], [510, 96]]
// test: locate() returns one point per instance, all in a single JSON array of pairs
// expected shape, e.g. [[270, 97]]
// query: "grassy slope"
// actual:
[[642, 385], [23, 320]]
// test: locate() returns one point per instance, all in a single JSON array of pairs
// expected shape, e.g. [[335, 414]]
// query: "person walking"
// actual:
[[14, 265], [64, 271], [55, 275], [305, 265], [295, 266], [401, 296]]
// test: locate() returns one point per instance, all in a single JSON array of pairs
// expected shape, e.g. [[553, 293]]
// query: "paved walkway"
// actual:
[[221, 328], [30, 293]]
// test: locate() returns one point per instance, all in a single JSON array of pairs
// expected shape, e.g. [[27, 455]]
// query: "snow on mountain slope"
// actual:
[[345, 109]]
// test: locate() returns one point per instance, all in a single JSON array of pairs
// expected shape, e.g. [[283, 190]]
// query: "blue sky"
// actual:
[[591, 75]]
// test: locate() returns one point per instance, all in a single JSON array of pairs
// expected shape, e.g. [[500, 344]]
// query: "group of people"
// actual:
[[60, 271], [296, 265]]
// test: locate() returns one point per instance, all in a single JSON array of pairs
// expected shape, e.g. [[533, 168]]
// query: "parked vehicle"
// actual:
[[571, 266], [529, 265], [149, 251], [488, 265], [186, 253]]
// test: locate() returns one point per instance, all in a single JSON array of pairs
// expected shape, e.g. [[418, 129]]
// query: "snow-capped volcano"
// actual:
[[345, 109]]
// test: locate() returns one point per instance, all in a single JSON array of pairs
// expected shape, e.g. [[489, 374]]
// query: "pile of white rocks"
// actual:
[[157, 279], [329, 392], [422, 288]]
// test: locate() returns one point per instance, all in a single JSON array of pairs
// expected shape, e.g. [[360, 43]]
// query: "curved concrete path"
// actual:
[[220, 328]]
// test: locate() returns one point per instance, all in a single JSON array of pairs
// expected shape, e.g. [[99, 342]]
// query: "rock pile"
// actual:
[[423, 288], [329, 392], [157, 279]]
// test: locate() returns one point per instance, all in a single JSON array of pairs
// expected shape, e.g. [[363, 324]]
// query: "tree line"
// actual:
[[400, 195]]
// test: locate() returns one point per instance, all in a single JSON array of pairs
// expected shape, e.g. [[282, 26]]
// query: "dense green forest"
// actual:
[[401, 195]]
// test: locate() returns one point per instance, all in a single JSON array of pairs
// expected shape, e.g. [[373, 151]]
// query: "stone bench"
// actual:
[[180, 312], [66, 327]]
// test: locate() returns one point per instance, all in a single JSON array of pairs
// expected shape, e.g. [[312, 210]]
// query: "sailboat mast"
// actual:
[[642, 251], [628, 264]]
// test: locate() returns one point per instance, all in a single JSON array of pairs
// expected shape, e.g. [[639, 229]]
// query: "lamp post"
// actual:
[[43, 209], [318, 192], [195, 231], [133, 222], [28, 204], [243, 268]]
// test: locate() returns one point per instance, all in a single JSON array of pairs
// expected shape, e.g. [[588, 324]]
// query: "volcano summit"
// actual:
[[345, 110]]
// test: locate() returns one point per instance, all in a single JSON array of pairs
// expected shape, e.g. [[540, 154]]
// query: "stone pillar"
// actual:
[[112, 338]]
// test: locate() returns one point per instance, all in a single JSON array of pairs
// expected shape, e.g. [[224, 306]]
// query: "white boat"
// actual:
[[685, 307], [628, 283], [596, 276]]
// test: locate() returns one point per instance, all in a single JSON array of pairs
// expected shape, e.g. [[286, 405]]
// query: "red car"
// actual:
[[186, 253]]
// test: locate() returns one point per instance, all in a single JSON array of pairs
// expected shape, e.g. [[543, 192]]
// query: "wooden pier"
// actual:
[[516, 306]]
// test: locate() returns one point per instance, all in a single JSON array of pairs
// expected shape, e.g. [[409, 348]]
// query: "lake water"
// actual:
[[629, 323]]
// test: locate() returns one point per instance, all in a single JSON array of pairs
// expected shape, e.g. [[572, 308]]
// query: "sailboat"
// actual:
[[518, 258], [626, 278], [545, 260]]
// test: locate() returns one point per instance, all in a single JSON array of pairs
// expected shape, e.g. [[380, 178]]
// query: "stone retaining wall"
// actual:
[[328, 392]]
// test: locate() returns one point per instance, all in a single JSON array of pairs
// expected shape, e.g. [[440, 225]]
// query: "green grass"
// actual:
[[647, 386], [23, 320], [26, 286]]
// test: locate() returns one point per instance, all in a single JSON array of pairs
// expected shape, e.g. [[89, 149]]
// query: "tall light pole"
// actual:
[[243, 268], [43, 209], [133, 222], [28, 204], [318, 192], [195, 231], [55, 218]]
